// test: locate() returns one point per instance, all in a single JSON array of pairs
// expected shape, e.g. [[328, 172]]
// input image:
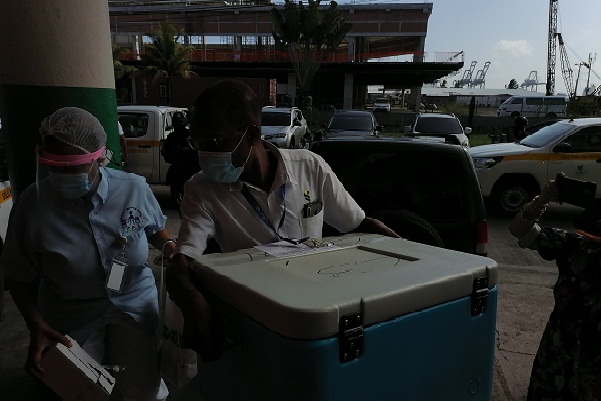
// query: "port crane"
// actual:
[[467, 76], [480, 74], [590, 103], [554, 39], [532, 81]]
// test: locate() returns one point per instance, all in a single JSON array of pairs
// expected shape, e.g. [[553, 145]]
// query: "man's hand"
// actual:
[[550, 193], [202, 331], [373, 226]]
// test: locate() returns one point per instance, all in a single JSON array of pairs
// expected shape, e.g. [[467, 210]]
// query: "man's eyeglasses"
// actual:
[[213, 144]]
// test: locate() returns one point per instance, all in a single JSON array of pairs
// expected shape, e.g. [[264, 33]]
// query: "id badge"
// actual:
[[115, 280]]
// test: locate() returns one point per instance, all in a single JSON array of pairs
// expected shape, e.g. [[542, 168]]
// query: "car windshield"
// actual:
[[438, 125], [350, 123], [272, 119], [546, 135]]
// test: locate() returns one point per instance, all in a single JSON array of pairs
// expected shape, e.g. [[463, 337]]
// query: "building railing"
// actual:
[[223, 54]]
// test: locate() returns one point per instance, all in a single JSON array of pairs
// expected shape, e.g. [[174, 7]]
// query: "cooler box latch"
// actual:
[[480, 295], [350, 337]]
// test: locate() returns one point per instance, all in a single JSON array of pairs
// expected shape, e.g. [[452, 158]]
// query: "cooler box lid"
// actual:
[[304, 296]]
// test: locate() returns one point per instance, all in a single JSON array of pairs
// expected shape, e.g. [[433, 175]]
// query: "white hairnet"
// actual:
[[75, 127]]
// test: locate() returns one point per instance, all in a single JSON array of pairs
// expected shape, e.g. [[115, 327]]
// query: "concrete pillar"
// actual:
[[350, 55], [292, 87], [238, 42], [59, 55], [347, 100], [416, 91]]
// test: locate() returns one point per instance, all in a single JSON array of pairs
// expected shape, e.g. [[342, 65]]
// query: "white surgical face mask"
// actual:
[[218, 165], [71, 185]]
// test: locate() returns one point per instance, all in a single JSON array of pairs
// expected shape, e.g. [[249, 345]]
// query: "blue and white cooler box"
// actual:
[[367, 318]]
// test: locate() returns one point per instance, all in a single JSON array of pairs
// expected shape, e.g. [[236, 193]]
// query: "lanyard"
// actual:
[[253, 202]]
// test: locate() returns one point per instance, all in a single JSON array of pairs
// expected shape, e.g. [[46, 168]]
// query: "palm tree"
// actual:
[[121, 70], [166, 57], [308, 36], [123, 73]]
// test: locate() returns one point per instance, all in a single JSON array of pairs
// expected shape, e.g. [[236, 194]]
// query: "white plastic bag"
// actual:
[[178, 365]]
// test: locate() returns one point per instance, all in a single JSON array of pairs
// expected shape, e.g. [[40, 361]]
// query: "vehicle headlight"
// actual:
[[487, 162]]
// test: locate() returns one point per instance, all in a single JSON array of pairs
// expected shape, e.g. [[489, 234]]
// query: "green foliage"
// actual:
[[165, 57], [453, 107], [121, 71], [308, 35], [479, 139]]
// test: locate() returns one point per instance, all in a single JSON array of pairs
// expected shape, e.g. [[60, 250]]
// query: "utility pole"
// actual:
[[590, 67]]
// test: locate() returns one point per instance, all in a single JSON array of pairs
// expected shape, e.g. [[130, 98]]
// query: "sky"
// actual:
[[512, 35]]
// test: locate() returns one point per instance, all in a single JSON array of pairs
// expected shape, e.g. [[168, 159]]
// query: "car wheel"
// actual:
[[510, 197], [410, 226]]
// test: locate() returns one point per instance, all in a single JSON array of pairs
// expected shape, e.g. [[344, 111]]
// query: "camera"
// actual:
[[575, 192], [312, 208]]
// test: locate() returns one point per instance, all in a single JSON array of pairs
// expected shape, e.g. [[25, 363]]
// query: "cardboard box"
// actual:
[[371, 318], [74, 375]]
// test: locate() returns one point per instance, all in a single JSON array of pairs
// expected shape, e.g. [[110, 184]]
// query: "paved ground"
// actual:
[[525, 301]]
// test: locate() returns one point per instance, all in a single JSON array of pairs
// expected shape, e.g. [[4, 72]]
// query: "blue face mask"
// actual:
[[71, 185], [218, 166]]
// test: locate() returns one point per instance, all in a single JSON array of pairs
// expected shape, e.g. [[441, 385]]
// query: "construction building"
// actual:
[[385, 46]]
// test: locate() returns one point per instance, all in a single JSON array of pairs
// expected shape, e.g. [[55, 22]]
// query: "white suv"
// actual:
[[511, 174], [439, 127], [285, 127], [381, 104]]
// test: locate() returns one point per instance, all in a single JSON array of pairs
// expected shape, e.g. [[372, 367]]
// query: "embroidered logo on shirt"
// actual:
[[307, 196], [131, 219]]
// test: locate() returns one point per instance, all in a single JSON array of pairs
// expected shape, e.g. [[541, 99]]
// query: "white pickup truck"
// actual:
[[145, 128]]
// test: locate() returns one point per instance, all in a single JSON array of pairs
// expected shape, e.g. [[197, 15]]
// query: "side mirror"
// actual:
[[467, 130], [562, 148]]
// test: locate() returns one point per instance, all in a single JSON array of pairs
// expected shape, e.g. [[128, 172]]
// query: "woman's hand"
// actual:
[[41, 337]]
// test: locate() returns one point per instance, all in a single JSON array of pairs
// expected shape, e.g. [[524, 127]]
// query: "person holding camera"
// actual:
[[567, 365], [248, 193]]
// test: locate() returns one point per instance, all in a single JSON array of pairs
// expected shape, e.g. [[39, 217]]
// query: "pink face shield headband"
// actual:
[[52, 159]]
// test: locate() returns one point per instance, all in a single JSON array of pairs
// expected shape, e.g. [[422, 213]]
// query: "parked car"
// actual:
[[353, 123], [439, 127], [511, 174], [395, 181], [381, 104], [145, 129], [285, 127]]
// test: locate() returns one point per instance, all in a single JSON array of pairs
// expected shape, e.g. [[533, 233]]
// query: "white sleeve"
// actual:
[[528, 240]]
